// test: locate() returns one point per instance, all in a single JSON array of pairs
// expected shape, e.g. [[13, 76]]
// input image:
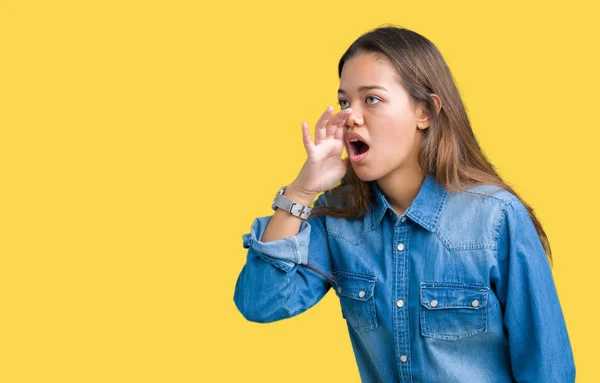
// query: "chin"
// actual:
[[365, 175]]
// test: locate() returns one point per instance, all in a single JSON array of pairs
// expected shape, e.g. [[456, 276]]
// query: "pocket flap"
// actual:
[[355, 286], [437, 296]]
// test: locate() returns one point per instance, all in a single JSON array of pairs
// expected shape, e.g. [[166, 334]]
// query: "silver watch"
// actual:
[[290, 206]]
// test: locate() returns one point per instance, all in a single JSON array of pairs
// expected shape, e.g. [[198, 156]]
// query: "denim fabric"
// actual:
[[456, 289]]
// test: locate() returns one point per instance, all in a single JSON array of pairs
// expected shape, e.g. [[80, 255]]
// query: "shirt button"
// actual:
[[340, 289], [361, 294], [475, 303], [400, 246], [403, 358], [400, 303], [403, 219], [434, 303]]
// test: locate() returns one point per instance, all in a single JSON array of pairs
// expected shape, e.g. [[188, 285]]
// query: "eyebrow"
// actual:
[[363, 88]]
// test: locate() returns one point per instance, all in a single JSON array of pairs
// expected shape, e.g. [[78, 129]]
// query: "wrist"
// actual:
[[298, 195]]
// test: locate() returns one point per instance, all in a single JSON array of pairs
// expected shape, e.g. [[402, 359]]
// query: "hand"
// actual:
[[323, 167]]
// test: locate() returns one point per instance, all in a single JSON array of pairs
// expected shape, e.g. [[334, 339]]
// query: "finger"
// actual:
[[340, 117], [306, 140], [322, 121], [339, 132], [336, 121], [320, 135]]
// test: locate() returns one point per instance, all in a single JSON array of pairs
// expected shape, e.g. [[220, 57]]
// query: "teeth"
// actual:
[[353, 140]]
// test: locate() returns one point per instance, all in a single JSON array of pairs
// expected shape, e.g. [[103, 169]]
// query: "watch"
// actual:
[[294, 208]]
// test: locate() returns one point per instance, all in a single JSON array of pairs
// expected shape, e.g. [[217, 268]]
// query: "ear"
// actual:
[[423, 119]]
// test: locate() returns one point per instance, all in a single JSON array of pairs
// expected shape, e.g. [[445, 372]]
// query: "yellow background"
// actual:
[[139, 139]]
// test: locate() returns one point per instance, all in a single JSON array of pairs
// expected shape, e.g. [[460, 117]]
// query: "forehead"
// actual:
[[368, 69]]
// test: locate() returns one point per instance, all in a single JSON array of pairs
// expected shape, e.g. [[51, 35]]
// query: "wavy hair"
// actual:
[[449, 150]]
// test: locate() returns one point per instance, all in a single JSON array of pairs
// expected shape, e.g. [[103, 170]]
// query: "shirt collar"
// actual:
[[424, 210]]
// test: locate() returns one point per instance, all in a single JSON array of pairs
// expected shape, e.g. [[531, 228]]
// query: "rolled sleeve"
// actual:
[[286, 252], [276, 281]]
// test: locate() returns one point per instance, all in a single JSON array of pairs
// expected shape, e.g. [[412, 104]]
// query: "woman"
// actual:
[[441, 269]]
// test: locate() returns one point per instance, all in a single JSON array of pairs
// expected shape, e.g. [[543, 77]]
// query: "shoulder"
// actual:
[[494, 199], [494, 192], [471, 219], [478, 200]]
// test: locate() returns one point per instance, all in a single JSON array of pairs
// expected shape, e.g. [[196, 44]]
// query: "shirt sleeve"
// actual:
[[275, 282], [540, 350]]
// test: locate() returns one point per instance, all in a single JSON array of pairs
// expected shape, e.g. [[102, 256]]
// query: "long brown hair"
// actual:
[[449, 150]]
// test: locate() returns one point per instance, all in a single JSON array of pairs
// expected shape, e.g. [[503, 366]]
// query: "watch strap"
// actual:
[[292, 207]]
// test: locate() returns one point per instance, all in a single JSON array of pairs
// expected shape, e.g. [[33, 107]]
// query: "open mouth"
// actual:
[[358, 147], [357, 150]]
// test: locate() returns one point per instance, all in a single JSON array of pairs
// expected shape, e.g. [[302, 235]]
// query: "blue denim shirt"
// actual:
[[456, 289]]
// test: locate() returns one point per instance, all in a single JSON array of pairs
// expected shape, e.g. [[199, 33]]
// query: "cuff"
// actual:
[[290, 251]]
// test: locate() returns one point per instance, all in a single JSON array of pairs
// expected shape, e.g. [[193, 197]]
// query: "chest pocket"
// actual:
[[452, 311], [356, 298]]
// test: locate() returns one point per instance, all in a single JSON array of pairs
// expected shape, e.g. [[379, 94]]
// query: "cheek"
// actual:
[[401, 130]]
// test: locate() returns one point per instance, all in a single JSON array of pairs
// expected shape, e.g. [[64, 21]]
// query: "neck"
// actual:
[[401, 187]]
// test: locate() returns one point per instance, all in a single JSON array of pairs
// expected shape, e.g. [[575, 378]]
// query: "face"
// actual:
[[383, 117]]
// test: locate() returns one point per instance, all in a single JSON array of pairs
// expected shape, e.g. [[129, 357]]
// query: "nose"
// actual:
[[355, 118]]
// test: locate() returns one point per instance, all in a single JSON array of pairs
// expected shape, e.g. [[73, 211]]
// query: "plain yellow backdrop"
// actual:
[[139, 140]]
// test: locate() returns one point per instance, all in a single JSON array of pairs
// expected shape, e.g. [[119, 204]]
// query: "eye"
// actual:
[[374, 98], [341, 102]]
